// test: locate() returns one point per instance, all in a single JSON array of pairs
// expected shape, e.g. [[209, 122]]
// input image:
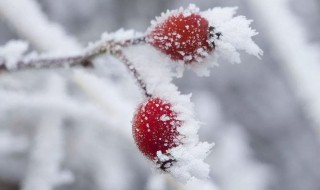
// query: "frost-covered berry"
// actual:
[[182, 37], [155, 130]]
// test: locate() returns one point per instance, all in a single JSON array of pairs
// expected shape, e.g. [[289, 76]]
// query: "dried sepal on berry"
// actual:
[[155, 131]]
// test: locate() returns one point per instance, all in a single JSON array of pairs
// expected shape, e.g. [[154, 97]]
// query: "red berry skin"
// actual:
[[155, 127], [182, 37]]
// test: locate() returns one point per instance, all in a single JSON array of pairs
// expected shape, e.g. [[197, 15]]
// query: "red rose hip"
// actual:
[[155, 128], [185, 38]]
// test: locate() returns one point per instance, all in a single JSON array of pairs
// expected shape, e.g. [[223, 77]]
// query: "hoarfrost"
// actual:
[[12, 52]]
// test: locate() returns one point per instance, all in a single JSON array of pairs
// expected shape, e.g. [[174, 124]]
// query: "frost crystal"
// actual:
[[12, 52], [236, 35]]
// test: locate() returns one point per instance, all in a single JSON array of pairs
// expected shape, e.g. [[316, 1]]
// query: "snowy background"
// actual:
[[70, 129]]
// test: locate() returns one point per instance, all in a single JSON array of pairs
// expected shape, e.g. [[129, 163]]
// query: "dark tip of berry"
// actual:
[[212, 34], [218, 34], [166, 164]]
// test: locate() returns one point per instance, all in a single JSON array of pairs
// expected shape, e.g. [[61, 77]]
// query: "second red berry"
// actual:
[[155, 127]]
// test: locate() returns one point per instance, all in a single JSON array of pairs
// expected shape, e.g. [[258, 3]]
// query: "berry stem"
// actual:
[[48, 63], [120, 55]]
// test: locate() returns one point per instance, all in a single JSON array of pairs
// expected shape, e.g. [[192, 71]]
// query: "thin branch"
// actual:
[[133, 70], [110, 47], [45, 63], [69, 61]]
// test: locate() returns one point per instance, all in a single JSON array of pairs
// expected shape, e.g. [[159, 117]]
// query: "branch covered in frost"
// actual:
[[12, 59], [120, 55], [17, 61], [44, 168], [44, 171], [35, 26], [11, 144], [300, 57]]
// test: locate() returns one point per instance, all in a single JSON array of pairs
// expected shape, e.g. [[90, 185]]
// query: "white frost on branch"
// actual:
[[234, 164], [27, 18], [233, 160], [102, 152], [44, 172], [44, 168], [48, 102], [108, 97], [12, 52], [10, 143], [120, 35], [300, 58]]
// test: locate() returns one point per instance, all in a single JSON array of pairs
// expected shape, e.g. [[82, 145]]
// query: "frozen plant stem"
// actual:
[[74, 60], [111, 47], [40, 63], [119, 54]]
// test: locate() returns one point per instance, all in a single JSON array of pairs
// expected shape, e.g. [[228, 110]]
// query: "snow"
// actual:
[[44, 165], [36, 27], [300, 57], [120, 35], [234, 154], [10, 143], [236, 32], [107, 98], [12, 52], [49, 137]]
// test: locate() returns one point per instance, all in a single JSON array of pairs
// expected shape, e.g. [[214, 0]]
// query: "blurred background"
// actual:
[[66, 130]]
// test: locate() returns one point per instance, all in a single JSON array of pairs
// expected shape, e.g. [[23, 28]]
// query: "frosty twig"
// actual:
[[110, 47], [130, 66], [84, 59]]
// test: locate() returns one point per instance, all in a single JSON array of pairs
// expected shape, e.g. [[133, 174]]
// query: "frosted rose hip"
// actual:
[[155, 128], [182, 37]]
